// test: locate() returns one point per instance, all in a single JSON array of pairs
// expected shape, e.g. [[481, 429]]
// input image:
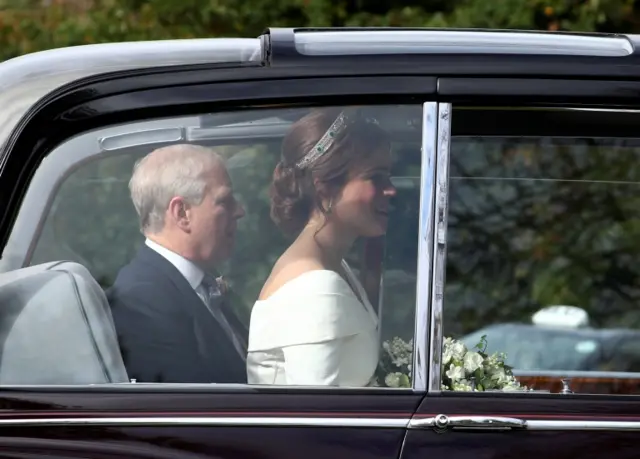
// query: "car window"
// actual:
[[79, 218], [541, 240]]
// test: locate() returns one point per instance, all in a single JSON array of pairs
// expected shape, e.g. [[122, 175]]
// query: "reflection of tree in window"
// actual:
[[541, 221]]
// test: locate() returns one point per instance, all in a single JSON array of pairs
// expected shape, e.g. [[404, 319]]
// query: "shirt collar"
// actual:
[[188, 269]]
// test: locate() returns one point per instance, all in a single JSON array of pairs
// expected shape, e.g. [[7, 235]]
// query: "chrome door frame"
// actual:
[[432, 236]]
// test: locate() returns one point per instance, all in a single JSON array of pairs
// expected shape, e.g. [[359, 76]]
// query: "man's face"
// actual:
[[214, 221]]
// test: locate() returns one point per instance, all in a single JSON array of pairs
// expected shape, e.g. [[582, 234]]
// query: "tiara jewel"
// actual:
[[327, 139]]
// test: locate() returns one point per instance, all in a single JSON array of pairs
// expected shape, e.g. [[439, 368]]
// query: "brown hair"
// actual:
[[293, 194]]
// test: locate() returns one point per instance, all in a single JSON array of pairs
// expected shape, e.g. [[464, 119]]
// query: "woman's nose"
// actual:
[[390, 190]]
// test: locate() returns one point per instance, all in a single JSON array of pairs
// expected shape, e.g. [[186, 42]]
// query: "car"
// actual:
[[546, 352], [514, 164]]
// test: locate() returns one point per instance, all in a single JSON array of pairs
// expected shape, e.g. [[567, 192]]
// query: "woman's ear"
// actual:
[[323, 190], [318, 185], [323, 197]]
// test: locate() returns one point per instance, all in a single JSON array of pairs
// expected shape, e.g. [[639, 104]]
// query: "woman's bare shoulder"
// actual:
[[288, 268]]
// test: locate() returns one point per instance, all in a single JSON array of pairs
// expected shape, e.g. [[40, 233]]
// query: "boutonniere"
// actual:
[[223, 285]]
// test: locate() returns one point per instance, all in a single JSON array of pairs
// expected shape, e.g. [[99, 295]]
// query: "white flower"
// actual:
[[446, 352], [446, 357], [397, 379], [455, 373], [499, 376], [472, 361], [392, 380], [458, 350], [513, 386], [462, 386]]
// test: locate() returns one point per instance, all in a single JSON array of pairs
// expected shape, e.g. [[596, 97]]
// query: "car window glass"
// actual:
[[88, 221], [541, 241]]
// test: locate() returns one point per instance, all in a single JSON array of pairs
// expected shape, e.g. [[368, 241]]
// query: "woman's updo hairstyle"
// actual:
[[293, 194]]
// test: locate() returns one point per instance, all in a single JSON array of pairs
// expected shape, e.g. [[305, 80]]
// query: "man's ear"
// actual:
[[178, 212]]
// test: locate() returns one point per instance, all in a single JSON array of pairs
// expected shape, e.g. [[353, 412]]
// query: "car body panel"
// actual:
[[591, 425], [196, 421]]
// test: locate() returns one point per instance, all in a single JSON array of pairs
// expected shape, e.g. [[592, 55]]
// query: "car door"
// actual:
[[535, 210], [70, 140]]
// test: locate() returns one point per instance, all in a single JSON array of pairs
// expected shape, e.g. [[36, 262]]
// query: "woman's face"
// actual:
[[362, 207]]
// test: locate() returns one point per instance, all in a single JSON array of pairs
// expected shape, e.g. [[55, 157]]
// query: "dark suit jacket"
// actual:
[[166, 332]]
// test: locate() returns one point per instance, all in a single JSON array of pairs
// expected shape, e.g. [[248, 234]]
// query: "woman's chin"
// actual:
[[375, 230]]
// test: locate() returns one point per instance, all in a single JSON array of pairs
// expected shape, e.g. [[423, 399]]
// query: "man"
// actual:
[[168, 311]]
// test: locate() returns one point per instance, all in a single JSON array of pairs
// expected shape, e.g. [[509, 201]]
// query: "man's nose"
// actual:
[[239, 211]]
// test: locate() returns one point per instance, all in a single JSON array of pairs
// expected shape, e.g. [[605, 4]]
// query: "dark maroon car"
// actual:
[[516, 169]]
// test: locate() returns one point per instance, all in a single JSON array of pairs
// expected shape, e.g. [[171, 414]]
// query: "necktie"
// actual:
[[212, 296]]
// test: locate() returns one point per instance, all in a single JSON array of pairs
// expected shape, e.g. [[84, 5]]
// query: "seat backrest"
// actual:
[[56, 328]]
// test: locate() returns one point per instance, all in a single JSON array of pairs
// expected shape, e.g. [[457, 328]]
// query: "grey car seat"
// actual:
[[56, 328]]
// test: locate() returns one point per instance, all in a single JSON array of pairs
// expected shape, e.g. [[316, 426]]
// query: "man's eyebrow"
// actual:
[[225, 193]]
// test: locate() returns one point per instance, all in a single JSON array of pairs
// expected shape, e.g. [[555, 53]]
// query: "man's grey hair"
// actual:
[[163, 174]]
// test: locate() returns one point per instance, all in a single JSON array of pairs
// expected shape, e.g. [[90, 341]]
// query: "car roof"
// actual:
[[27, 79]]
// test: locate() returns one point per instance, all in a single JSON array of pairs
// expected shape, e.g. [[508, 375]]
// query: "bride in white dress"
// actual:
[[313, 323]]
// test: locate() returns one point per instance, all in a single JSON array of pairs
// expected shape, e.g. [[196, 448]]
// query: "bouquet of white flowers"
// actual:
[[473, 370], [463, 369]]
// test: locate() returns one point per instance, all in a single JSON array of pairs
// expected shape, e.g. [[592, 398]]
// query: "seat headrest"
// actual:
[[56, 328]]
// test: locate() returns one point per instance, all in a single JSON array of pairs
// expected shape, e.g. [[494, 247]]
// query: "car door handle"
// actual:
[[442, 423]]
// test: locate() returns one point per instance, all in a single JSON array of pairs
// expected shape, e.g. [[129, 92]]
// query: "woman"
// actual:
[[313, 323]]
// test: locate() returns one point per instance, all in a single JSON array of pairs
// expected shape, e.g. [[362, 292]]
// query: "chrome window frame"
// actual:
[[433, 238], [421, 358]]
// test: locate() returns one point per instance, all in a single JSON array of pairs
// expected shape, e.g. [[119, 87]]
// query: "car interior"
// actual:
[[89, 230]]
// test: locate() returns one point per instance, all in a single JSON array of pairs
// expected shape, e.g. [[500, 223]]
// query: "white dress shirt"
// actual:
[[189, 270]]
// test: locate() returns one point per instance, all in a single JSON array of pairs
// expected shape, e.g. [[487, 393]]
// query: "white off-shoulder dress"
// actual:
[[314, 331]]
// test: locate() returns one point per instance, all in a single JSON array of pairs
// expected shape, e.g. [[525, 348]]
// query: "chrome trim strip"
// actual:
[[425, 244], [439, 242], [421, 423], [430, 41], [386, 423], [141, 138], [583, 425], [211, 421]]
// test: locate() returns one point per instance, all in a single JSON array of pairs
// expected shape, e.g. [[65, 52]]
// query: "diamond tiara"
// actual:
[[325, 142]]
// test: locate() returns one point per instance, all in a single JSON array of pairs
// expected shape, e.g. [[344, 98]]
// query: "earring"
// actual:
[[330, 206]]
